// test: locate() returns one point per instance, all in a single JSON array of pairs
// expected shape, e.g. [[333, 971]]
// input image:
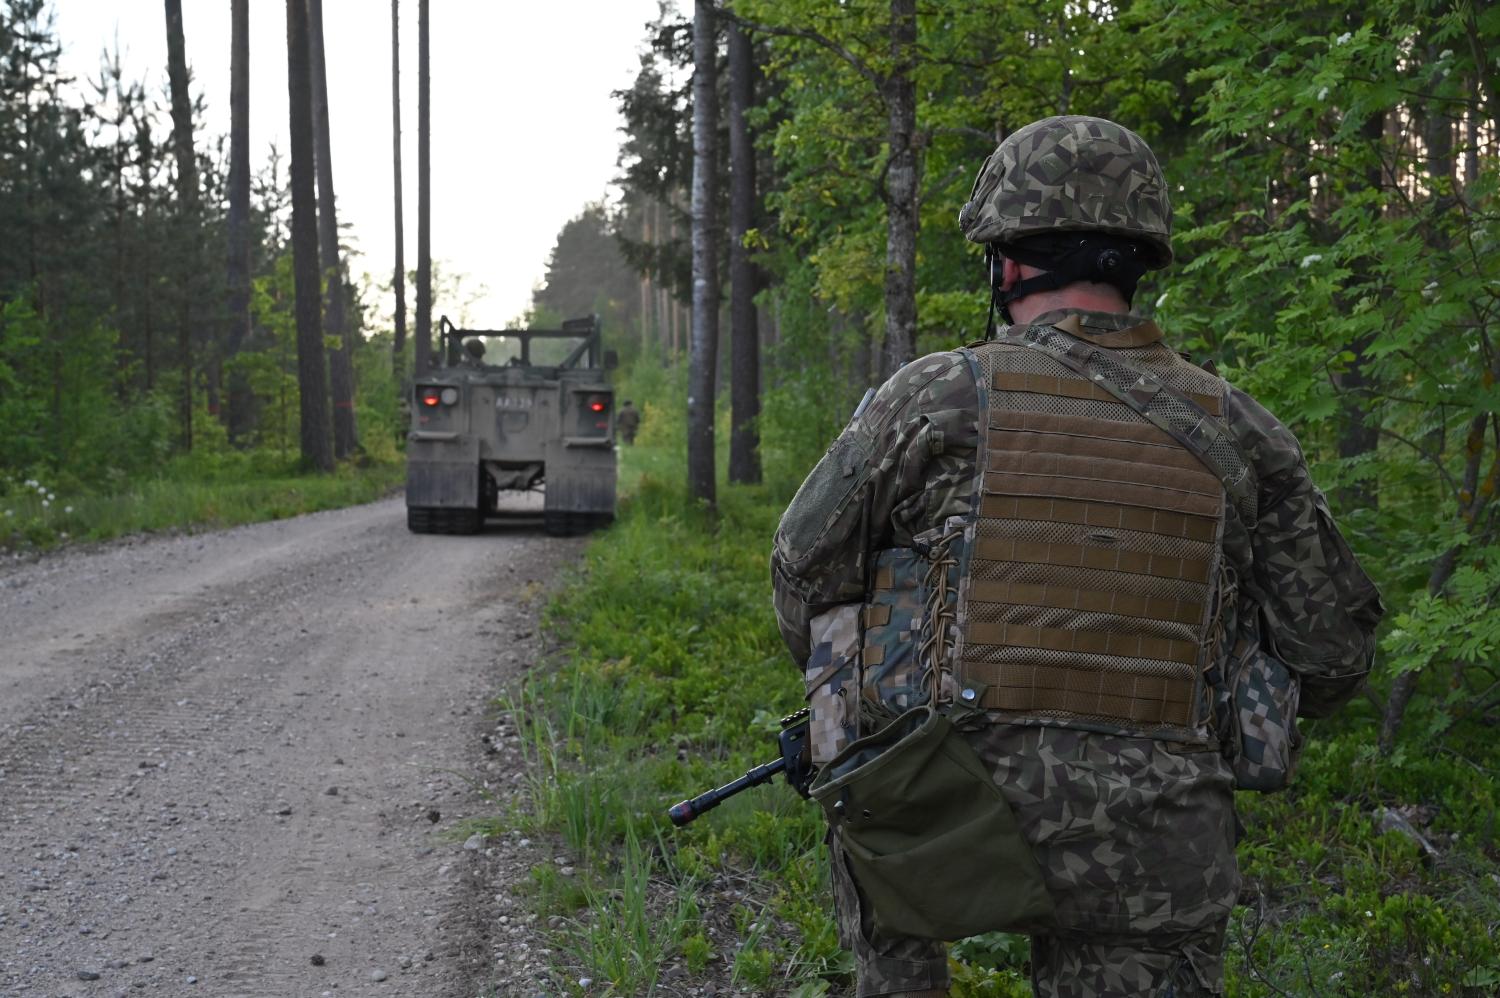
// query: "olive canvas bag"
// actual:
[[934, 847]]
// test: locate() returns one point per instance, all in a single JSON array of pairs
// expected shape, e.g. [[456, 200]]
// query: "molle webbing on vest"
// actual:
[[1033, 688], [1181, 414], [1074, 387], [1095, 554]]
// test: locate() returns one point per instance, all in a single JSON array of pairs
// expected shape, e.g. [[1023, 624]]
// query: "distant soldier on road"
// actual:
[[628, 421], [1106, 569]]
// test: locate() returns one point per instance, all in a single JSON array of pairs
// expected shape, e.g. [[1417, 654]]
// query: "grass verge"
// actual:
[[37, 515]]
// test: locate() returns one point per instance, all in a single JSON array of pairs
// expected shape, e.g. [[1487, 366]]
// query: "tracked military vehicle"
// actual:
[[513, 410]]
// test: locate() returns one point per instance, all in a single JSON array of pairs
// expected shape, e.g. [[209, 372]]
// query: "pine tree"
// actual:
[[335, 325], [316, 438]]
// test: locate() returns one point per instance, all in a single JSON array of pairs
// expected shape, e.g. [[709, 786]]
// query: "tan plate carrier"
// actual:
[[1095, 555]]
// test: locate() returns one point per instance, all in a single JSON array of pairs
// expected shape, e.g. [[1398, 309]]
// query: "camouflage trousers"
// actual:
[[1136, 843]]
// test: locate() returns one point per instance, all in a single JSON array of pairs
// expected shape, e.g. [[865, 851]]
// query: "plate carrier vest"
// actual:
[[1090, 580]]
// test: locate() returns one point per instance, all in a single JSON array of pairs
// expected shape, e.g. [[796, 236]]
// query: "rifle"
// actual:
[[794, 762]]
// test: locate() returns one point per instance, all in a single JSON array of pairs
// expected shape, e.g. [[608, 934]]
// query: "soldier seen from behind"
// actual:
[[628, 421], [1057, 594]]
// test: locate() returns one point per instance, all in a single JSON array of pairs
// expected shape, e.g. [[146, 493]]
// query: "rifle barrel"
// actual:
[[685, 811]]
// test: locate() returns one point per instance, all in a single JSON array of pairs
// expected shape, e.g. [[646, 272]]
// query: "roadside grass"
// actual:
[[36, 514], [672, 679]]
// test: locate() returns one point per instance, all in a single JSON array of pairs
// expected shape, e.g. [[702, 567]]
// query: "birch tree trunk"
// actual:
[[901, 192], [316, 440], [704, 346], [335, 324]]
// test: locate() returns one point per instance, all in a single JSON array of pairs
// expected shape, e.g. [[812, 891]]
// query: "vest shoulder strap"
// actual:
[[1174, 412]]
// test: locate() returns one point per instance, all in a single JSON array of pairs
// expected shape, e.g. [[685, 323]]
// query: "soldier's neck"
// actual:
[[1083, 295]]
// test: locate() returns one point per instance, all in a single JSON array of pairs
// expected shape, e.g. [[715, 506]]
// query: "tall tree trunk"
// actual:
[[335, 325], [705, 329], [187, 205], [901, 191], [316, 440], [644, 322], [744, 332], [398, 278], [238, 415], [424, 198], [1359, 429]]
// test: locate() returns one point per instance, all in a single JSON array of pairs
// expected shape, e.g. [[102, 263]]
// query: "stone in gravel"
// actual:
[[146, 957], [284, 810], [191, 979], [584, 982], [118, 964], [434, 815], [378, 975], [317, 960], [474, 842], [88, 975], [332, 791]]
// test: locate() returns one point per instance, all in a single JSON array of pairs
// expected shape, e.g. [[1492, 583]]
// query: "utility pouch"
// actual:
[[832, 678], [1263, 743], [930, 841]]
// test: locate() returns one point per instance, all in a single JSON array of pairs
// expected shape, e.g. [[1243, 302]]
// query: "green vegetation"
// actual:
[[1334, 171], [34, 515], [680, 686], [133, 394]]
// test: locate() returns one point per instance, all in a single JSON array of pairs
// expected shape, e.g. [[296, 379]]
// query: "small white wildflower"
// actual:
[[67, 509], [1369, 913], [1323, 94], [10, 512], [1344, 38], [1162, 299], [31, 483], [1310, 259], [1445, 54], [46, 503], [1430, 291], [52, 497]]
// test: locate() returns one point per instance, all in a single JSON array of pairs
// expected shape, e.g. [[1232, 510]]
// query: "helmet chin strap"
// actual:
[[1085, 263], [999, 300]]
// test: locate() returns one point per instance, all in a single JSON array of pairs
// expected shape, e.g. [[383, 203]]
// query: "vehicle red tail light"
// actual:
[[598, 404], [431, 397]]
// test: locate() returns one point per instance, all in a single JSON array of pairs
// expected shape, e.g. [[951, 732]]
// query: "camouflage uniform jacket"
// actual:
[[1135, 836]]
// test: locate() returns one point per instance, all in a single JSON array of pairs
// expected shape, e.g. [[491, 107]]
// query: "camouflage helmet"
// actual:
[[1071, 174]]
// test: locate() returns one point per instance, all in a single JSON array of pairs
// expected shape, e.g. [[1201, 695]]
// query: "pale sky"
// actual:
[[524, 131]]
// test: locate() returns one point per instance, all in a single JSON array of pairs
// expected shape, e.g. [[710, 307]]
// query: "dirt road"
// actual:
[[232, 763]]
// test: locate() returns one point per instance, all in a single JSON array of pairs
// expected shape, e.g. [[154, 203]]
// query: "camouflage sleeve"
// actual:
[[904, 465], [1319, 608]]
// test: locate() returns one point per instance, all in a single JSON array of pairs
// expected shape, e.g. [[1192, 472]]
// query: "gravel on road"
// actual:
[[240, 763]]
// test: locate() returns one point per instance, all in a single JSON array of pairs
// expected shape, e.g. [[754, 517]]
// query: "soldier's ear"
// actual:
[[1010, 273]]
